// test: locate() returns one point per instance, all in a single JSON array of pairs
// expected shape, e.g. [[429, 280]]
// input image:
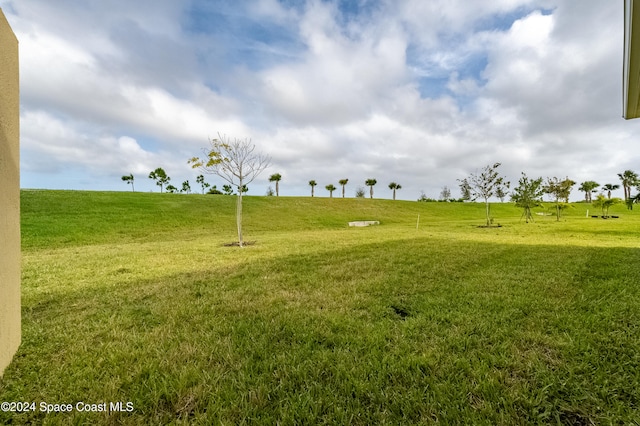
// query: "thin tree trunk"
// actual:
[[486, 202], [394, 195], [239, 213]]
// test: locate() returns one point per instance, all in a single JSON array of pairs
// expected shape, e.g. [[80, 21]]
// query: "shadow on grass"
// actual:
[[408, 331]]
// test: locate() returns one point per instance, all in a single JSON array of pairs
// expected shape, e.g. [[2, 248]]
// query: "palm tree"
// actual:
[[629, 178], [610, 187], [312, 183], [394, 186], [370, 183], [343, 182], [276, 178], [605, 203], [330, 188], [588, 187]]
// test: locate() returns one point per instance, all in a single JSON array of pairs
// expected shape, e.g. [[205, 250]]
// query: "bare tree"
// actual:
[[445, 194], [235, 161]]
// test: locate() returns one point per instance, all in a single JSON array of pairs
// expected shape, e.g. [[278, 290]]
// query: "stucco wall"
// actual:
[[9, 195]]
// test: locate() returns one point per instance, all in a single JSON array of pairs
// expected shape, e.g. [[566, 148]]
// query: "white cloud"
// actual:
[[418, 92], [49, 144], [341, 77]]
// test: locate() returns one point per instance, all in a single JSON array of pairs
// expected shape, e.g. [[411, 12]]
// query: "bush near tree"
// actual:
[[215, 191], [604, 203]]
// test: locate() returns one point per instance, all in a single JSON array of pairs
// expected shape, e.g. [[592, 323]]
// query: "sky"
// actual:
[[418, 92]]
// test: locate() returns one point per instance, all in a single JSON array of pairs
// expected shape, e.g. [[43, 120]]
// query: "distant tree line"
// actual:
[[162, 180], [235, 161], [529, 192], [480, 186], [331, 187]]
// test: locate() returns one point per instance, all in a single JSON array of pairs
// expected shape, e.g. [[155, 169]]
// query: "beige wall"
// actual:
[[9, 195]]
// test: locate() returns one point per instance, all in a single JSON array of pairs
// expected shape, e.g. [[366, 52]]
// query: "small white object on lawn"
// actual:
[[364, 223]]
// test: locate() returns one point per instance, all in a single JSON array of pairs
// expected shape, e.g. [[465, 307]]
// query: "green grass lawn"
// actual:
[[133, 297]]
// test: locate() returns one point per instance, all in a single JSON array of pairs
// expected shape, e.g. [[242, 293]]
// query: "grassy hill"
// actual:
[[53, 219], [133, 297]]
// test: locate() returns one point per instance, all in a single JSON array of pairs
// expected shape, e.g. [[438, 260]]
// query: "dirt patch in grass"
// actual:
[[237, 244]]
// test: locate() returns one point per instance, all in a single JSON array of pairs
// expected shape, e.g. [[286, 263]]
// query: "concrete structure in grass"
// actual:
[[10, 320], [364, 223]]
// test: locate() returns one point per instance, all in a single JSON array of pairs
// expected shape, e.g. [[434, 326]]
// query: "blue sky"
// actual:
[[420, 92]]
